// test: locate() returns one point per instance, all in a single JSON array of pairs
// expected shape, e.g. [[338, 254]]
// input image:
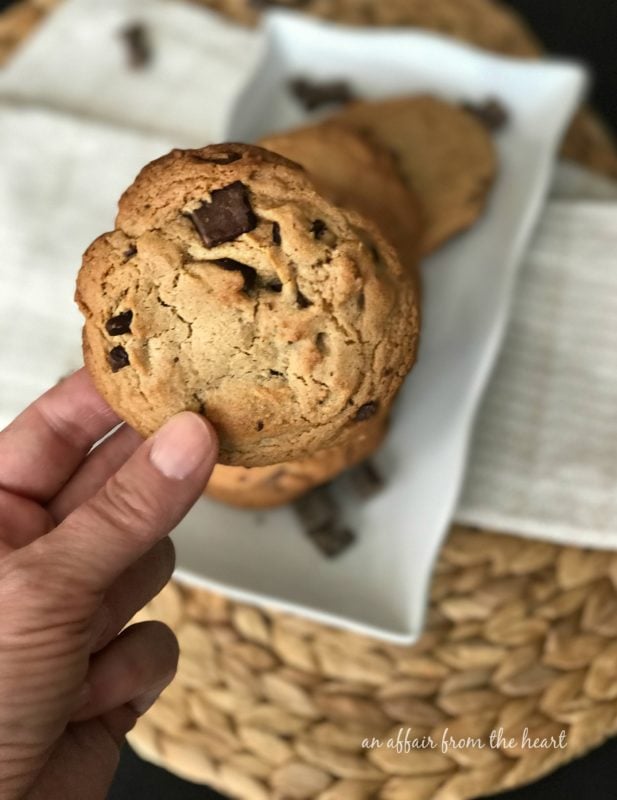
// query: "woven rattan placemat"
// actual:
[[519, 659], [521, 634]]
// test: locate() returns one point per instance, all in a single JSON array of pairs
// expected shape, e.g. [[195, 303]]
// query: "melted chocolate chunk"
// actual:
[[119, 324], [276, 233], [130, 252], [248, 273], [366, 411], [118, 358], [313, 94], [491, 113], [222, 159], [275, 373], [139, 51], [303, 301], [228, 215], [259, 426], [318, 228]]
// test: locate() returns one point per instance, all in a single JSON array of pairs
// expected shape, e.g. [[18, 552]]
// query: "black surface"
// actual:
[[585, 29], [582, 29]]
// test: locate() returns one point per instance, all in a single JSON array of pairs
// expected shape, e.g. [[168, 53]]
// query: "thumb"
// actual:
[[138, 505]]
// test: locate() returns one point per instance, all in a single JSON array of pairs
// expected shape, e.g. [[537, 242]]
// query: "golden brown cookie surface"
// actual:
[[278, 484], [447, 157], [231, 287], [356, 171]]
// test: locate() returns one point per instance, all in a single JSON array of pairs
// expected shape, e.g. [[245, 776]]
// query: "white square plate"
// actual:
[[379, 586]]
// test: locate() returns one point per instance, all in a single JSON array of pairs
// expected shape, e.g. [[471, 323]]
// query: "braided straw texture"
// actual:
[[521, 634]]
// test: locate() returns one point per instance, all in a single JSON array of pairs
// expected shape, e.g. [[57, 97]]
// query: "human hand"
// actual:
[[83, 546]]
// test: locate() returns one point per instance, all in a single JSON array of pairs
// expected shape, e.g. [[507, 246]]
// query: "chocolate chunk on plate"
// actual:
[[314, 94], [491, 113], [228, 215], [332, 540], [366, 479], [320, 518], [137, 41]]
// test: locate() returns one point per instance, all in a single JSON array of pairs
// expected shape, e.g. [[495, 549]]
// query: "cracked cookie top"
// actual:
[[232, 288]]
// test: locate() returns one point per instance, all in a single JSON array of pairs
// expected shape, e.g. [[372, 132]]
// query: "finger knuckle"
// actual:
[[126, 506]]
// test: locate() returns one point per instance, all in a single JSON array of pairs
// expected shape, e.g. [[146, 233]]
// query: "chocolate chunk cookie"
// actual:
[[446, 156], [278, 484], [356, 171], [231, 287]]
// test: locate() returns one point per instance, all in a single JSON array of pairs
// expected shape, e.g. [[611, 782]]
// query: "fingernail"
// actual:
[[145, 701], [181, 445]]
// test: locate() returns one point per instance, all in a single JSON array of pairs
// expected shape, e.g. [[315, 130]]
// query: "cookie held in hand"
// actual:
[[231, 287]]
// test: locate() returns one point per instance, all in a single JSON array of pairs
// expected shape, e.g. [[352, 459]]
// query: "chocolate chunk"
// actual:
[[366, 411], [222, 159], [139, 51], [332, 540], [118, 358], [259, 426], [319, 516], [318, 228], [248, 273], [130, 252], [276, 233], [313, 94], [366, 480], [119, 324], [303, 301], [226, 216], [275, 373], [491, 113], [316, 509]]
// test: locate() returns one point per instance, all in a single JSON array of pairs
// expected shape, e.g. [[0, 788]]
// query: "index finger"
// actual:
[[44, 445]]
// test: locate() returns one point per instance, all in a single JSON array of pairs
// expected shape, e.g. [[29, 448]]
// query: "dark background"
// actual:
[[583, 29]]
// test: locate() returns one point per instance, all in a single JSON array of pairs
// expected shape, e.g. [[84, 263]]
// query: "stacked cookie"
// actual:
[[421, 169], [275, 288]]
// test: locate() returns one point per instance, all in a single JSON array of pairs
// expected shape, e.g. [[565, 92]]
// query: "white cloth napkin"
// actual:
[[544, 458]]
